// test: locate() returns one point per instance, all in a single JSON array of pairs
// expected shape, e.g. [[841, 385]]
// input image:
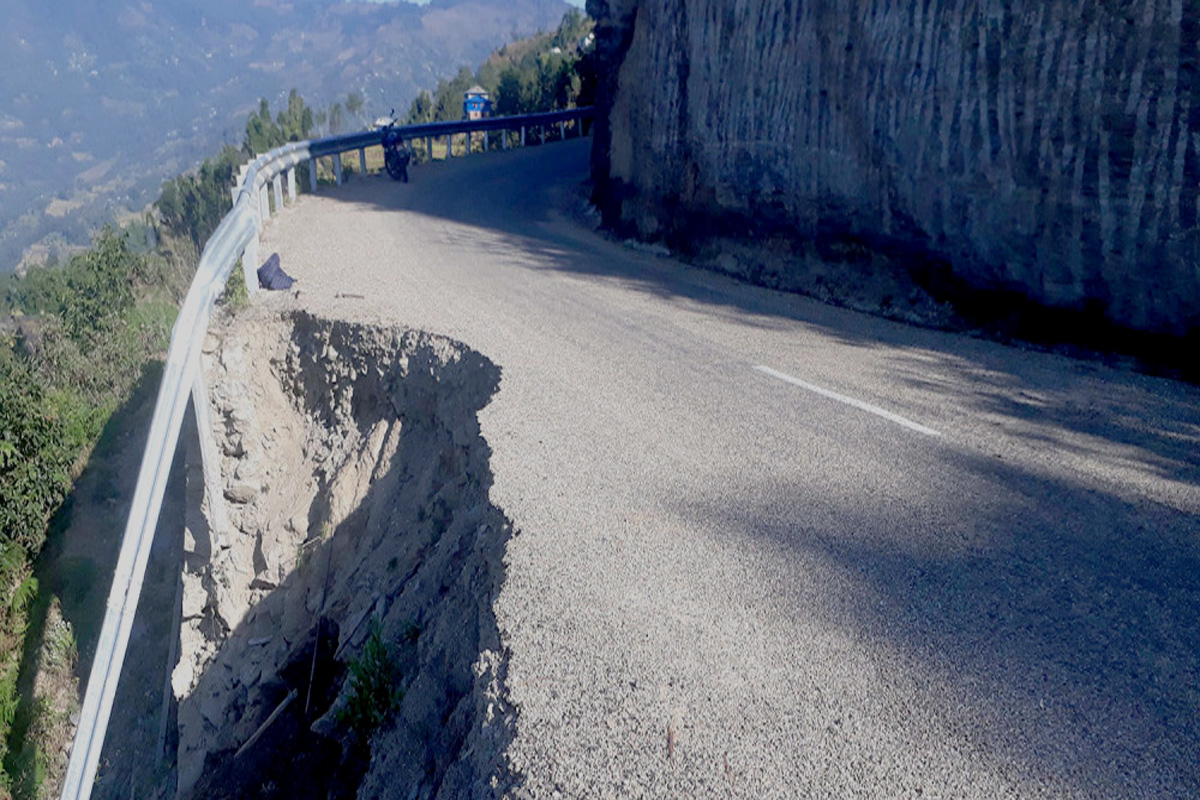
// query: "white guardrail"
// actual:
[[235, 238]]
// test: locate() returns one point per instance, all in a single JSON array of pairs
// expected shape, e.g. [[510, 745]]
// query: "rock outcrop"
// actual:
[[1050, 148]]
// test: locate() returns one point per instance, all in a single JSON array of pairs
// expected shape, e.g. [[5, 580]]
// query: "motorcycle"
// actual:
[[396, 155]]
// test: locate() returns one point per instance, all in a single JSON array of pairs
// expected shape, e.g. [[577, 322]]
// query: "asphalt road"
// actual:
[[770, 548]]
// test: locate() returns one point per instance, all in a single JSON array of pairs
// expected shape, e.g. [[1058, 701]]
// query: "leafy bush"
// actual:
[[79, 335], [66, 368], [17, 590], [99, 286], [192, 205], [373, 691], [35, 462]]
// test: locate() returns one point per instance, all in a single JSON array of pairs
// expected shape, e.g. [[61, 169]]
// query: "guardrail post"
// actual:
[[467, 150], [264, 204], [337, 168], [277, 186], [522, 136], [562, 130], [487, 140], [312, 175], [250, 266], [291, 173], [505, 140], [362, 159], [209, 461], [449, 146], [429, 148]]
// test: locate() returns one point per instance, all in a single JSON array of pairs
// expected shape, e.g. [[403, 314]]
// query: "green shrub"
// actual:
[[374, 694], [99, 287], [17, 591], [35, 462], [235, 297]]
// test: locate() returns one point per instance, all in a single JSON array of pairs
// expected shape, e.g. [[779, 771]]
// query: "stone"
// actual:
[[250, 673], [233, 357], [312, 602], [241, 492], [248, 470], [212, 708], [296, 616], [182, 677], [195, 597], [227, 677], [232, 446], [232, 577], [274, 556], [264, 581], [232, 604], [190, 542]]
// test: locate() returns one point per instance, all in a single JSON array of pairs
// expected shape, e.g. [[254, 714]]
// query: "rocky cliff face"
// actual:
[[1050, 147]]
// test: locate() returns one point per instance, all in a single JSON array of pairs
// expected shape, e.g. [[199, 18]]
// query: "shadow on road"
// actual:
[[1070, 640], [1076, 636]]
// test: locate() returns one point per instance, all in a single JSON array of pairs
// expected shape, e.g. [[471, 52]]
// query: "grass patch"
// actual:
[[235, 297]]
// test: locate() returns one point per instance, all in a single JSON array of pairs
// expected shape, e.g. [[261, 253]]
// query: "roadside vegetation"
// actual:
[[77, 335], [75, 338], [545, 72], [374, 690]]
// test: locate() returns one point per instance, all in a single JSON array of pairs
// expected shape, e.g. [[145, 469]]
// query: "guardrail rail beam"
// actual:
[[236, 238]]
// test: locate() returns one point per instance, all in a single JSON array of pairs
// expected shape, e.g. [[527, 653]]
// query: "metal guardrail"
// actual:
[[235, 238]]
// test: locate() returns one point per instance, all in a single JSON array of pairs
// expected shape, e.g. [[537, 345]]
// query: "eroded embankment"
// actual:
[[356, 486]]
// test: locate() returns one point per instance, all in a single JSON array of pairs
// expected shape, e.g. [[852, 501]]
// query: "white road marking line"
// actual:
[[850, 401]]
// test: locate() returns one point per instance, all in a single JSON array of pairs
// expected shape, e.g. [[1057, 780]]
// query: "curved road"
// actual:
[[769, 548]]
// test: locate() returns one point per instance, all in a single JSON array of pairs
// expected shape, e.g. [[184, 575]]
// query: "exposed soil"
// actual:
[[355, 484], [290, 759]]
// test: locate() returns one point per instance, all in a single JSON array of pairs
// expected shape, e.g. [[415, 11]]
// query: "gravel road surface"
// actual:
[[770, 548]]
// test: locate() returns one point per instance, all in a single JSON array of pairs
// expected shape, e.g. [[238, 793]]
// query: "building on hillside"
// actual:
[[476, 103]]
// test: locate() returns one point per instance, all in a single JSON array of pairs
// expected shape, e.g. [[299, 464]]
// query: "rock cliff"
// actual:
[[1049, 148]]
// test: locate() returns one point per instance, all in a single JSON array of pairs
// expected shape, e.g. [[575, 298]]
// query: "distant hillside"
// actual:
[[100, 101]]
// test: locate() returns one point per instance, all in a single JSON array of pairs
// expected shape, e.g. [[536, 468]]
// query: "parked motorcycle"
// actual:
[[396, 154]]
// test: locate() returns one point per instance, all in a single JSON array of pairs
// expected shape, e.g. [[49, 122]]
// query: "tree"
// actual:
[[354, 103], [337, 119], [550, 72], [421, 110], [296, 122], [513, 95], [448, 100], [101, 286], [571, 30], [192, 205], [262, 133]]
